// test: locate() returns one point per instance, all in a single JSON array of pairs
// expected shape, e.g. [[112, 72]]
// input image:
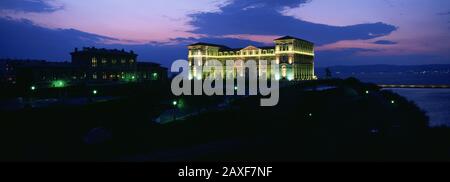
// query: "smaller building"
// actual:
[[43, 73], [88, 66]]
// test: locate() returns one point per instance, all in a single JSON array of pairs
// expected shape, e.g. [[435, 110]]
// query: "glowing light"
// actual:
[[33, 87], [235, 87], [310, 114], [392, 102], [59, 83], [367, 92], [94, 92], [174, 103], [133, 77]]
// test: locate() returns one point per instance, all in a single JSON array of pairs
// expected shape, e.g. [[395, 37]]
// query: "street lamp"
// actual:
[[174, 103]]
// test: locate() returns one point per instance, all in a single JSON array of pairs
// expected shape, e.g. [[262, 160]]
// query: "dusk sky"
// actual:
[[346, 32]]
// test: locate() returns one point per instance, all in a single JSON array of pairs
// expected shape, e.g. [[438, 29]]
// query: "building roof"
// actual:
[[286, 37], [225, 48], [291, 37], [102, 51], [267, 47], [208, 44]]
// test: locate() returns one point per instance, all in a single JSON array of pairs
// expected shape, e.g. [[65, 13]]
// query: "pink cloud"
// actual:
[[131, 21]]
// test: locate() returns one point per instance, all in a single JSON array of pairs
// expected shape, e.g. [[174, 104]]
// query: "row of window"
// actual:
[[284, 47], [113, 61], [103, 75], [247, 52], [295, 46], [232, 53], [281, 47], [303, 46]]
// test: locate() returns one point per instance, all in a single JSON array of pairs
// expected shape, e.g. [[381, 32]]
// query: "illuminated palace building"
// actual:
[[294, 56]]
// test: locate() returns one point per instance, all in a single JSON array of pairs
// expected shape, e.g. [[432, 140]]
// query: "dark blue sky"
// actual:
[[346, 33]]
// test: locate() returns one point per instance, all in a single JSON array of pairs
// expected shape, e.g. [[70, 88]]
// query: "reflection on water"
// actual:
[[436, 102]]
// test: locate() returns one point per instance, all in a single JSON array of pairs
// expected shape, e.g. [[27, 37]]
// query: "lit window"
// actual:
[[283, 71], [94, 62]]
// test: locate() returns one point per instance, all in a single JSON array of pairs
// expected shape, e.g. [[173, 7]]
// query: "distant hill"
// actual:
[[392, 74], [389, 68]]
